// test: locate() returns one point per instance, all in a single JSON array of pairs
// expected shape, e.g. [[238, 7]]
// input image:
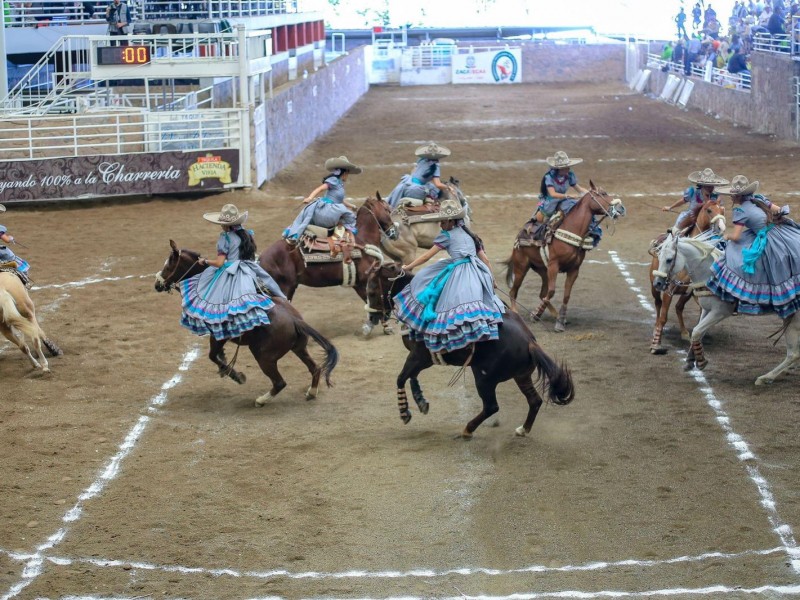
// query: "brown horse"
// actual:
[[18, 316], [706, 217], [564, 254], [515, 355], [286, 332], [286, 264]]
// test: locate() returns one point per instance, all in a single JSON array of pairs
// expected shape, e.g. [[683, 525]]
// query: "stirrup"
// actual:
[[438, 358]]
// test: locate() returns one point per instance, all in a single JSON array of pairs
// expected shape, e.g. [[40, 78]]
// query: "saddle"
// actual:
[[334, 242], [410, 213], [11, 267], [538, 231]]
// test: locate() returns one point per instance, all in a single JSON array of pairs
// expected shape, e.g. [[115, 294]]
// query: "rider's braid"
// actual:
[[478, 241], [247, 249]]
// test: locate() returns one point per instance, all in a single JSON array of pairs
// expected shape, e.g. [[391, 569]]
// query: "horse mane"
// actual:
[[705, 248]]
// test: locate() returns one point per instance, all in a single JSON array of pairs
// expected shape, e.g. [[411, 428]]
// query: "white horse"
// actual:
[[421, 234], [18, 319], [696, 258]]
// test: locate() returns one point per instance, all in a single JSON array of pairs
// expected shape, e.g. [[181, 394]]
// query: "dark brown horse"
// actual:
[[705, 217], [287, 332], [515, 355], [564, 254], [286, 265]]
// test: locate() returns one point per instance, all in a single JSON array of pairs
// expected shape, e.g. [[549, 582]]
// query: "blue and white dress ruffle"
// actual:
[[762, 268], [451, 304], [417, 184], [7, 255], [326, 212], [226, 302]]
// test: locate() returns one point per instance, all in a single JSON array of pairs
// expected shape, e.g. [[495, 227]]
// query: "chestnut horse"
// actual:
[[707, 217], [515, 355], [421, 234], [287, 331], [286, 265], [564, 254]]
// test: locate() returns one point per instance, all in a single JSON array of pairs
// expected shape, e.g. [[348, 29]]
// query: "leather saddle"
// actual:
[[539, 231], [335, 242], [11, 267]]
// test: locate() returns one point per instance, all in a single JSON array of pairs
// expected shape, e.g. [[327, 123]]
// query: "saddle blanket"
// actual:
[[326, 256]]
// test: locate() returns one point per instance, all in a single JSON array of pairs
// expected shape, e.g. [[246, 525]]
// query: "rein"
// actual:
[[377, 222], [174, 284]]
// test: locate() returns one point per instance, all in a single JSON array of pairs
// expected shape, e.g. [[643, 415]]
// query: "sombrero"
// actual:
[[561, 161], [448, 209], [341, 162], [707, 177], [229, 215], [432, 151], [740, 186]]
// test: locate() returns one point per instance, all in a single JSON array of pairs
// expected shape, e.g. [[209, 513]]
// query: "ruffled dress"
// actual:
[[417, 184], [226, 301], [693, 198], [7, 255], [548, 204], [326, 212], [762, 269], [451, 304]]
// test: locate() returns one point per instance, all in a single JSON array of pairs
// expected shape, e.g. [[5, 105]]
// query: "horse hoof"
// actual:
[[560, 327], [658, 350], [388, 331], [239, 377], [688, 366], [423, 406], [366, 329], [405, 417], [701, 365], [764, 381], [464, 435], [311, 393], [686, 336], [262, 400], [520, 431]]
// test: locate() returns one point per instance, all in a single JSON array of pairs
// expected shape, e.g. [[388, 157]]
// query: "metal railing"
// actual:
[[721, 77], [428, 56], [43, 13], [778, 44], [130, 132]]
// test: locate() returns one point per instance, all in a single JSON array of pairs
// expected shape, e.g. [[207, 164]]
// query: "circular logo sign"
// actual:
[[504, 67]]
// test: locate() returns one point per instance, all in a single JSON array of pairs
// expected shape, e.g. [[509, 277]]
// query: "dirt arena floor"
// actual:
[[134, 471]]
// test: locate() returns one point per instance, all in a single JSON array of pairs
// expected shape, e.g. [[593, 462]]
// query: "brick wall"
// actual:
[[572, 62]]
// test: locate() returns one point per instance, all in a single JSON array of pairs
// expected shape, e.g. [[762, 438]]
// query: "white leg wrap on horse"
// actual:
[[262, 400], [311, 392], [520, 431]]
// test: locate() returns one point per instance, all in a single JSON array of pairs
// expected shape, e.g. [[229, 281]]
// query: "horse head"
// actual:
[[384, 282], [382, 214], [179, 265], [711, 217], [602, 203]]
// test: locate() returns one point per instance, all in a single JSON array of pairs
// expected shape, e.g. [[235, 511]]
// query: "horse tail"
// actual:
[[557, 377], [13, 318], [509, 269], [331, 353]]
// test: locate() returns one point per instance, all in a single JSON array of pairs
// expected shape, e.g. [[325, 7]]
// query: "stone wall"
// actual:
[[301, 111], [548, 62], [768, 108]]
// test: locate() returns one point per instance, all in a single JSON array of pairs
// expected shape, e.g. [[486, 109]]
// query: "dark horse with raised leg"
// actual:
[[563, 253], [515, 355], [287, 332], [290, 266], [707, 217]]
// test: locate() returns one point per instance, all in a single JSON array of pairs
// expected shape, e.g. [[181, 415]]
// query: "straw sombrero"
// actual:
[[341, 162], [740, 186], [448, 209], [561, 161], [229, 215], [707, 177], [432, 151]]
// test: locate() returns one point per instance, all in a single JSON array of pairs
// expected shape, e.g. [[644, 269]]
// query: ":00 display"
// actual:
[[123, 55]]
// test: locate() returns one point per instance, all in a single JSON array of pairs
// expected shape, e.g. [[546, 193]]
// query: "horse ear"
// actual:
[[173, 245], [592, 186], [378, 196]]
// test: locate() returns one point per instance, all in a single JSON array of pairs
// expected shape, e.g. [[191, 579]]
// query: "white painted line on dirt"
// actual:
[[736, 441], [34, 565], [88, 281]]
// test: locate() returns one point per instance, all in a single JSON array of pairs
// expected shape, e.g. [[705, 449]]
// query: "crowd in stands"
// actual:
[[728, 51]]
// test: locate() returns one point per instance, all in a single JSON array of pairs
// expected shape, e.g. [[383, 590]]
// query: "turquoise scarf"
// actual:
[[753, 252], [429, 297]]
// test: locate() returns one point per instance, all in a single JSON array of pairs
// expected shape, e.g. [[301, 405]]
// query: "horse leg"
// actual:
[[269, 366], [487, 391], [682, 302], [301, 351], [525, 385], [19, 343], [216, 352], [519, 270], [719, 311], [662, 302], [792, 335], [417, 360], [561, 322], [416, 392], [543, 291]]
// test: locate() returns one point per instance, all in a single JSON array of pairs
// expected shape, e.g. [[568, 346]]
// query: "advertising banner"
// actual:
[[117, 175], [494, 66]]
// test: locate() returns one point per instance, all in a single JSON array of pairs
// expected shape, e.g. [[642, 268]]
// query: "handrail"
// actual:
[[720, 77]]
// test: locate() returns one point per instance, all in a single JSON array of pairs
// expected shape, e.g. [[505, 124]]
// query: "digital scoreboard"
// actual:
[[123, 55]]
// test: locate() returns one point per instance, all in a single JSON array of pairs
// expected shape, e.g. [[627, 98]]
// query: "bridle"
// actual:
[[615, 209], [390, 233], [168, 282], [385, 297], [672, 282]]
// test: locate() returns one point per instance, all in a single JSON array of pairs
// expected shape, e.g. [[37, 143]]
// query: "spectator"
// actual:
[[118, 18], [696, 12], [693, 49], [666, 52], [764, 17], [775, 24], [678, 52], [709, 14], [738, 63], [712, 29], [680, 20]]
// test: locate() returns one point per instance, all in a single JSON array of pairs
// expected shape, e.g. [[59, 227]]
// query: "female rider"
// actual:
[[426, 174]]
